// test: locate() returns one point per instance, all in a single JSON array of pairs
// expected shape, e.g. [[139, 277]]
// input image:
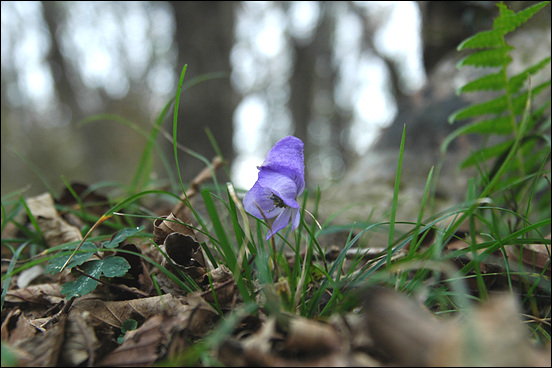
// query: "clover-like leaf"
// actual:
[[121, 236], [113, 266], [110, 266], [82, 285], [55, 264]]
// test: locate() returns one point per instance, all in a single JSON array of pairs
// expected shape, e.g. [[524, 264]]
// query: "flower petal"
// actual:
[[258, 202], [287, 158], [295, 218], [281, 221], [279, 184]]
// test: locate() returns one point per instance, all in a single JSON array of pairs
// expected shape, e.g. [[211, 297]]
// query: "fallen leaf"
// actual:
[[55, 229], [115, 313], [42, 349], [80, 342], [158, 335]]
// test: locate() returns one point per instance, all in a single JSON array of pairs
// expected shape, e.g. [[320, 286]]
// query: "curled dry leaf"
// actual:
[[55, 229], [115, 313], [184, 252], [159, 337], [16, 327], [166, 225], [224, 288]]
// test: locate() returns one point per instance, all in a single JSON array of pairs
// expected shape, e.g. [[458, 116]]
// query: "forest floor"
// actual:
[[146, 318]]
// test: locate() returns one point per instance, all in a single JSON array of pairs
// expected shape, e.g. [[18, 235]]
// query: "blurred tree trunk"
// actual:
[[312, 87], [444, 26], [205, 36]]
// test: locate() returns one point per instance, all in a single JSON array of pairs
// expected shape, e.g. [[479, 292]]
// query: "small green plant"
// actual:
[[513, 165], [520, 158]]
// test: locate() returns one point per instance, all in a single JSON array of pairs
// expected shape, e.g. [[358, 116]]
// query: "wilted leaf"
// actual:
[[42, 349], [115, 313], [161, 336], [49, 294], [54, 228], [80, 342], [170, 224]]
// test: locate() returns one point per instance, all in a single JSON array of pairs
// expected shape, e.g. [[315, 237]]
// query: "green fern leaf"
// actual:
[[518, 103], [516, 82], [483, 40], [508, 20], [488, 58], [490, 82], [486, 153], [494, 106], [501, 126]]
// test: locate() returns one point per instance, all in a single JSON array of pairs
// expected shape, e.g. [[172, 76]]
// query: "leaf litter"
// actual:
[[44, 326]]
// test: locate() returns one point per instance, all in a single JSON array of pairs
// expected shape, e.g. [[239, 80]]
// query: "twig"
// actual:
[[57, 316], [205, 174]]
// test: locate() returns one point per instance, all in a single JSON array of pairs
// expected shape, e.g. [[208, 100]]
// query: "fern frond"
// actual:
[[500, 126], [482, 40], [508, 20], [490, 82], [495, 106], [493, 58], [516, 82], [494, 52]]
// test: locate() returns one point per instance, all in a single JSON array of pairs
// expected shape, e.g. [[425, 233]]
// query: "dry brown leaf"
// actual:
[[166, 225], [42, 349], [80, 342], [492, 335], [406, 334], [403, 331], [534, 256], [45, 294], [55, 229], [223, 286], [22, 330], [307, 336], [293, 342], [158, 337], [115, 313]]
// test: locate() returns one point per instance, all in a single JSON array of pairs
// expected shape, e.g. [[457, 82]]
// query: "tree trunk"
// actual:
[[204, 36]]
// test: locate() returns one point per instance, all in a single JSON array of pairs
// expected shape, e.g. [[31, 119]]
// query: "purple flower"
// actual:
[[281, 180]]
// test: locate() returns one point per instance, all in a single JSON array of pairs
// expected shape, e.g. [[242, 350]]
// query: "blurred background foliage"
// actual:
[[342, 76]]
